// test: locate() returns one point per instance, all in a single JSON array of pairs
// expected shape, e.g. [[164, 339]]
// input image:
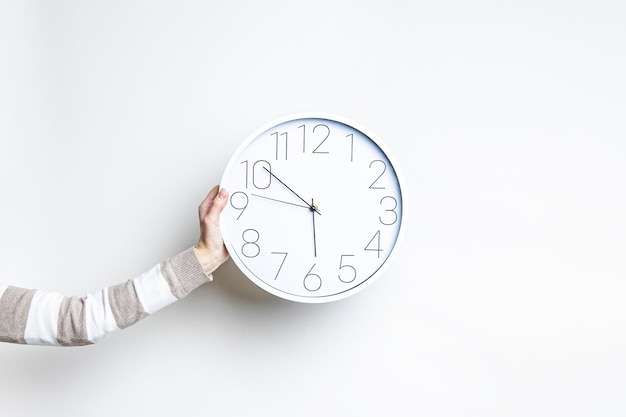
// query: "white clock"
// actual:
[[315, 207]]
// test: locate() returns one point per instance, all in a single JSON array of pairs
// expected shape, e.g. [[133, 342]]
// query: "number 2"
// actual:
[[372, 185]]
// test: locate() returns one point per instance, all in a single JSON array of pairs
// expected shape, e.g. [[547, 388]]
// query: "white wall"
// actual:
[[507, 120]]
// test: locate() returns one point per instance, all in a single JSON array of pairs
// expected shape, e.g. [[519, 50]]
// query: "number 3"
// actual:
[[391, 210]]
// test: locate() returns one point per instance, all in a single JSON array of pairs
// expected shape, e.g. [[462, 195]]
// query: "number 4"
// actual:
[[374, 246]]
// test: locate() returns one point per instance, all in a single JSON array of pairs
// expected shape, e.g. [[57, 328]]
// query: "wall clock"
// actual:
[[315, 208]]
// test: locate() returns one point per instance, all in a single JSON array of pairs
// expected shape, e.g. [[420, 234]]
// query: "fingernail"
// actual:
[[222, 193]]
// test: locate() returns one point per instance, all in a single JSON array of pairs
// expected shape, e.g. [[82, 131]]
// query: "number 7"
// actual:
[[282, 263]]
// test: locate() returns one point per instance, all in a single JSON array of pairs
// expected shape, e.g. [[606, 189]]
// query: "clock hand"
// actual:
[[281, 201], [311, 206]]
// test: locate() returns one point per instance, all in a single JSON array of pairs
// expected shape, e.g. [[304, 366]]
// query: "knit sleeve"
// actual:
[[37, 317]]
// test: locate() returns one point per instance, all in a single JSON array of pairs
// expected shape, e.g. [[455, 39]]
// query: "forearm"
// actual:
[[43, 318]]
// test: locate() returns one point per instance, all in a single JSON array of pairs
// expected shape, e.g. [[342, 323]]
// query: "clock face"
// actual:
[[315, 208]]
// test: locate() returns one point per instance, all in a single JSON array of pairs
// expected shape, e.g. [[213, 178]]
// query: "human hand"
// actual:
[[210, 249]]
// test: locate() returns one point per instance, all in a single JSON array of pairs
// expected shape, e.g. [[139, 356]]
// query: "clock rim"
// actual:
[[383, 147]]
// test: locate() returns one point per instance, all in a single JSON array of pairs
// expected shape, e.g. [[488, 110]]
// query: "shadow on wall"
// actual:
[[230, 280]]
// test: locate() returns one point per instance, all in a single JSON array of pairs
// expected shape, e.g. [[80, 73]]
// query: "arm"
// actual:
[[43, 318]]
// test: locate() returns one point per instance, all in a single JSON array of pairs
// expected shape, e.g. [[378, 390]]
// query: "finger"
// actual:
[[203, 210], [219, 202]]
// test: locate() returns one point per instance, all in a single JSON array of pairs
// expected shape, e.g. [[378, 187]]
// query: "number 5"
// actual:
[[341, 266]]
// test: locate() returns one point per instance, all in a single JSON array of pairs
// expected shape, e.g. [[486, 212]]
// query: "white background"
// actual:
[[506, 118]]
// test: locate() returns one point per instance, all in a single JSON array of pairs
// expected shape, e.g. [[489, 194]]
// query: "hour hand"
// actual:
[[311, 206]]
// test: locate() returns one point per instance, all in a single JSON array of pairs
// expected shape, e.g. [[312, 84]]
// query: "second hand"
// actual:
[[281, 201]]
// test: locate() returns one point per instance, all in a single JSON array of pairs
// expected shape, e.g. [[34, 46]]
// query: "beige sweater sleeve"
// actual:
[[44, 318]]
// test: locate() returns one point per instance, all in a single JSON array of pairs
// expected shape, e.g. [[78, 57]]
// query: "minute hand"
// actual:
[[310, 205]]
